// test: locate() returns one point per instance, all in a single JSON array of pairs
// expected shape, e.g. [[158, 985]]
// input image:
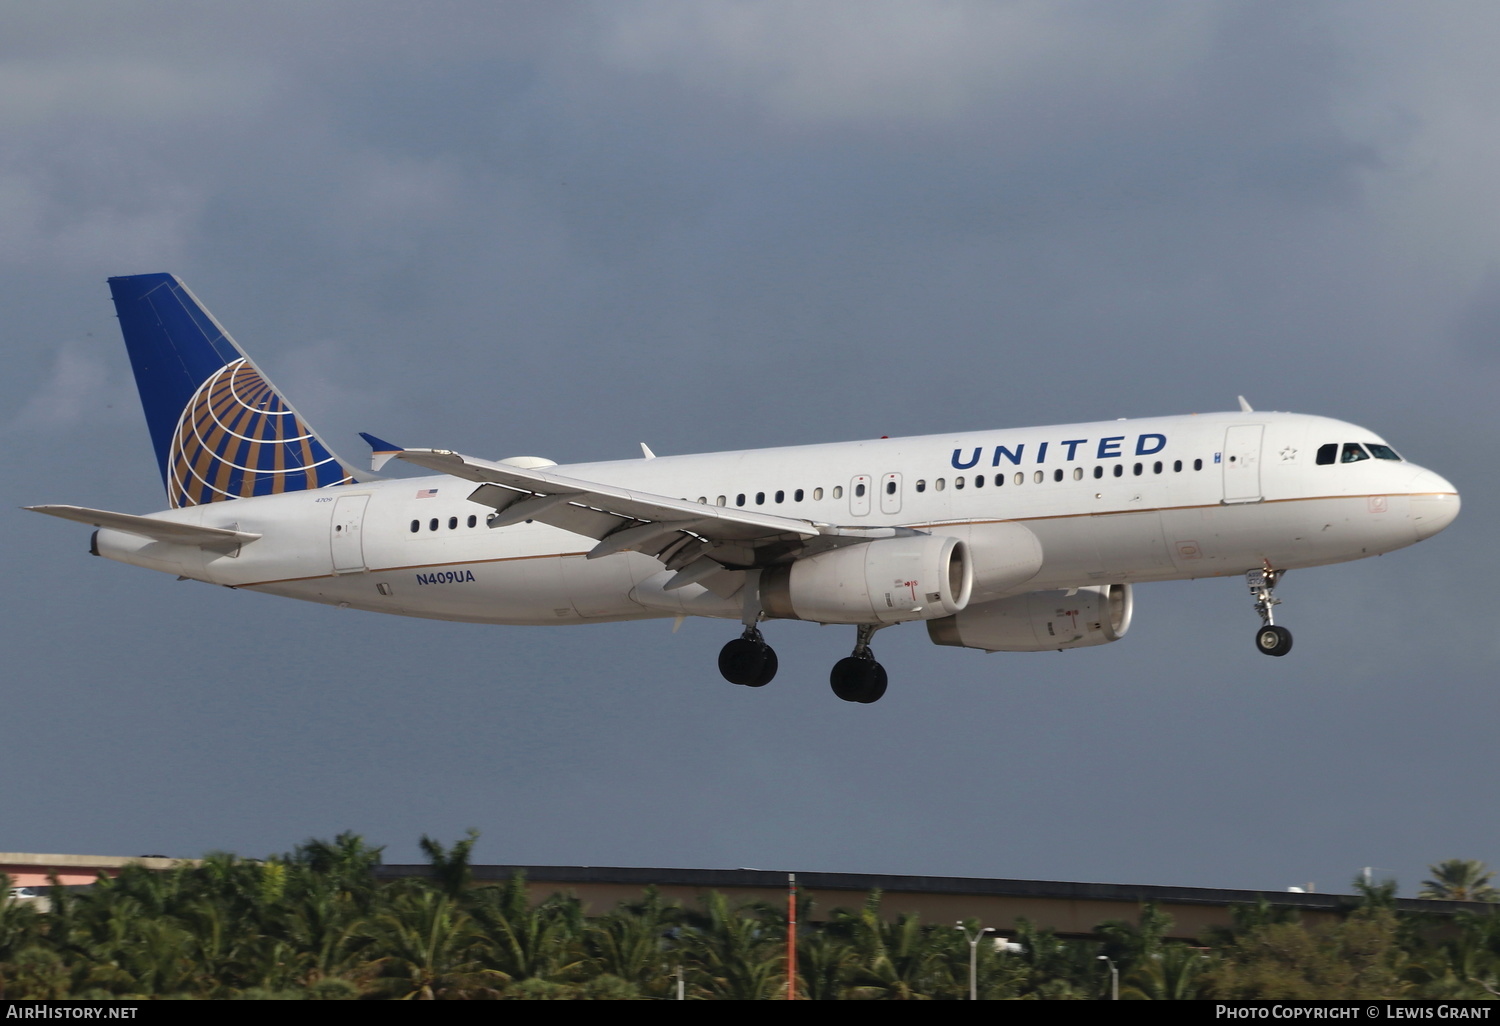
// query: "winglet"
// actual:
[[381, 452], [646, 452], [1244, 406]]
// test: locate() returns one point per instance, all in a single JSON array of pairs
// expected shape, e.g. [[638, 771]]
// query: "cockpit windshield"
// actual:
[[1353, 452]]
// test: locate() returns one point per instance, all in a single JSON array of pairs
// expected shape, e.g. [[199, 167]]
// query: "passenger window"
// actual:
[[1039, 476], [999, 480], [1353, 453], [1197, 464], [838, 491], [739, 500], [921, 486], [719, 501], [978, 480], [781, 496], [473, 520], [760, 498], [1119, 470], [1077, 473], [817, 494], [859, 491], [1020, 477], [1098, 472], [416, 525], [1057, 474], [453, 523], [1156, 467], [432, 524], [958, 482], [890, 489], [1137, 470], [1328, 453], [939, 484], [1176, 466], [797, 495], [1382, 452]]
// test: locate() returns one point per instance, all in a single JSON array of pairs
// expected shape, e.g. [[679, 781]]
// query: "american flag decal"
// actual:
[[427, 493]]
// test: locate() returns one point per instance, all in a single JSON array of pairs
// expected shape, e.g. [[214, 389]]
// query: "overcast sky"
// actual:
[[561, 229]]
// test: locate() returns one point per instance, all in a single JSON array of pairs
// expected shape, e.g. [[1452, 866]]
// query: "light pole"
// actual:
[[973, 956], [1114, 978]]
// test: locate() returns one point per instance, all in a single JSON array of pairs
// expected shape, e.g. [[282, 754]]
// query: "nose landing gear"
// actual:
[[858, 677], [1270, 639], [748, 660]]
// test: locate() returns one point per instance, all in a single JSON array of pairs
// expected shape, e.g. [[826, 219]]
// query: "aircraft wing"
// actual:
[[693, 538], [150, 527]]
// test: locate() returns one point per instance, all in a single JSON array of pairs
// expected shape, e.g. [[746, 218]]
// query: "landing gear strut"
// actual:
[[859, 678], [1270, 639], [748, 660]]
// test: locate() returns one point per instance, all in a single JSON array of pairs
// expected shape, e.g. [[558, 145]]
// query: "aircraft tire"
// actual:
[[858, 680], [1273, 641], [768, 669], [747, 662]]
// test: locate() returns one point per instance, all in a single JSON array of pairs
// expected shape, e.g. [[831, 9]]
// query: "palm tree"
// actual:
[[737, 956], [427, 948], [1460, 880], [900, 961], [523, 941], [633, 943]]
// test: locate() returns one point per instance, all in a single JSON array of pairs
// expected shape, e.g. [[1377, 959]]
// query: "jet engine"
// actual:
[[1039, 620], [916, 577]]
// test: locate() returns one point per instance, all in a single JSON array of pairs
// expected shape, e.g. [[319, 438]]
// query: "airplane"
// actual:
[[1016, 540]]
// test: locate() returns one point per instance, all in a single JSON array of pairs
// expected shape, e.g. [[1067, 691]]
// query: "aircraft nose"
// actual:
[[1434, 503]]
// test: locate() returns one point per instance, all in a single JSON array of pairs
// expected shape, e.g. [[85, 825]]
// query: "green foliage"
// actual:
[[1460, 880], [314, 924]]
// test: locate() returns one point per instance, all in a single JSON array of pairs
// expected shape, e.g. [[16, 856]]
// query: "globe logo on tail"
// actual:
[[238, 438]]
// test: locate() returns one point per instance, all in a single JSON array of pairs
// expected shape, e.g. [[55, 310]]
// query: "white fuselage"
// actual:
[[1109, 502]]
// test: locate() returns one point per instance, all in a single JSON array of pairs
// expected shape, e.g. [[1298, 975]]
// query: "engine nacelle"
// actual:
[[918, 577], [1039, 621]]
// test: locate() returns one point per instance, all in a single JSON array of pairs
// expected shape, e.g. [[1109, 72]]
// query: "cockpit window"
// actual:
[[1353, 453], [1382, 452], [1328, 453]]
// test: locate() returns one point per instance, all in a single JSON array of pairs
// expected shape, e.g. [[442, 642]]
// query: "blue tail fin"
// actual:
[[220, 429]]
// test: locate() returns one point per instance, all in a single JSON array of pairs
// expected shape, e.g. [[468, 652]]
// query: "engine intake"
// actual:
[[886, 581]]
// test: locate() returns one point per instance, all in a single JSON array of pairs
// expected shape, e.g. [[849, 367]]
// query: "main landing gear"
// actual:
[[858, 677], [748, 660], [1270, 639]]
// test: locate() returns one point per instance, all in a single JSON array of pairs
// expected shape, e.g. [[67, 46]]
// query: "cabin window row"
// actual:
[[940, 484], [798, 495], [436, 522], [1038, 476]]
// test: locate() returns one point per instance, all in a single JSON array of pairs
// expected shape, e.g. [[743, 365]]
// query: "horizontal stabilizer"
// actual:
[[150, 527]]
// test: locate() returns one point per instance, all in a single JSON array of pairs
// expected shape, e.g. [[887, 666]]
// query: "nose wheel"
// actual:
[[858, 677], [748, 660], [1273, 640], [1270, 639]]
